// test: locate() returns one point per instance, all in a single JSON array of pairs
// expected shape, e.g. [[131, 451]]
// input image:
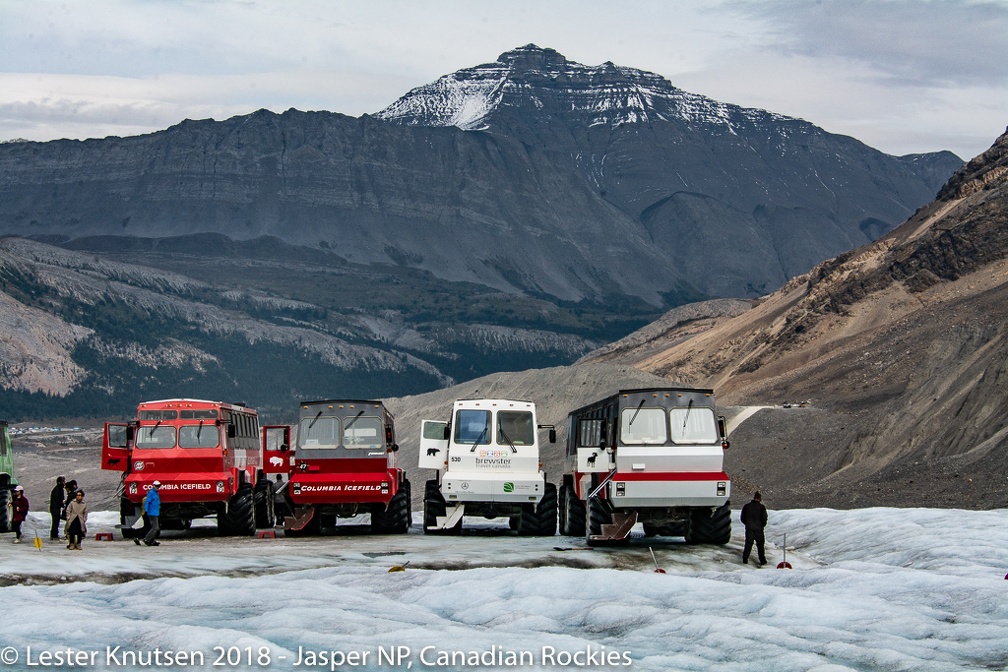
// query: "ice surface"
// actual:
[[873, 589]]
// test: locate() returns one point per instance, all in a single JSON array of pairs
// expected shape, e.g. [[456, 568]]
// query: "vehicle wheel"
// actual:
[[264, 497], [240, 517], [434, 506], [394, 519], [710, 527], [6, 509], [598, 514], [574, 511], [562, 507], [541, 521], [127, 516]]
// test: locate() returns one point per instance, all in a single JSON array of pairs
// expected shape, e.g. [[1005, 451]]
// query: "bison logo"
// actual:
[[276, 461]]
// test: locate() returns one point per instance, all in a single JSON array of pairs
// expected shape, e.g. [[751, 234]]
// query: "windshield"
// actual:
[[155, 436], [643, 426], [693, 425], [361, 432], [319, 432], [514, 428], [472, 426], [204, 435]]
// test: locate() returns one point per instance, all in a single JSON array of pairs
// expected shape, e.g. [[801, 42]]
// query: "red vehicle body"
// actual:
[[343, 464], [209, 458]]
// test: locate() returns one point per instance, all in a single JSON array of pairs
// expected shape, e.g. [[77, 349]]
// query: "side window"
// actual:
[[590, 433]]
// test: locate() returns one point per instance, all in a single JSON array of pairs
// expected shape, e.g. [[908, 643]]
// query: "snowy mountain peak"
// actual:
[[534, 82], [531, 57]]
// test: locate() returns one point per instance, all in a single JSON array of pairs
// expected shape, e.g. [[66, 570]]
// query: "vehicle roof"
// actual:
[[492, 402], [327, 402], [171, 403], [644, 390]]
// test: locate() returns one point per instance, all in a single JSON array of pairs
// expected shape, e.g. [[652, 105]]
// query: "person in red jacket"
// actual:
[[20, 511], [754, 517]]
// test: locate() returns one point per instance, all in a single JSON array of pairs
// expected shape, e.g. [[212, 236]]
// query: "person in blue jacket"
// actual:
[[152, 507]]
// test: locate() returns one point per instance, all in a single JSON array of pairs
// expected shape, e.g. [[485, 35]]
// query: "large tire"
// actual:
[[394, 519], [541, 521], [573, 509], [562, 508], [598, 514], [240, 517], [263, 503], [707, 527], [6, 509], [434, 506], [126, 511]]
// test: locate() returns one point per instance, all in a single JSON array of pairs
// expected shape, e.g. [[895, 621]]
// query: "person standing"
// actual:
[[56, 506], [754, 517], [152, 507], [71, 493], [20, 511], [76, 522]]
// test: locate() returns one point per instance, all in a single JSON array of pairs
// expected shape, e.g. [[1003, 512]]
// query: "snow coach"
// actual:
[[654, 456], [208, 457], [7, 480], [487, 462], [345, 463]]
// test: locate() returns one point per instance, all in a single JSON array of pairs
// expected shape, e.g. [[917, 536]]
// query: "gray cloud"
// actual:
[[917, 42]]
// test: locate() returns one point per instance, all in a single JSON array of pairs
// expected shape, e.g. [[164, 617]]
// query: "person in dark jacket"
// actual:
[[754, 517], [56, 506], [20, 512], [71, 494]]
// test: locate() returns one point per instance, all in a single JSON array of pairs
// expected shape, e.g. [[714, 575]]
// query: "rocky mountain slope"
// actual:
[[575, 171], [84, 336], [510, 216], [738, 199], [900, 349]]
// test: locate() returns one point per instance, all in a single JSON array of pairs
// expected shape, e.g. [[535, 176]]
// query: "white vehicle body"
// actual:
[[654, 456], [487, 462]]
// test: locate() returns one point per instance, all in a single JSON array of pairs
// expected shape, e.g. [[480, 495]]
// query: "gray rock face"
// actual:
[[532, 174]]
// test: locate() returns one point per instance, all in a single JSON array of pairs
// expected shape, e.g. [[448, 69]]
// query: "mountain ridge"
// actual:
[[897, 352]]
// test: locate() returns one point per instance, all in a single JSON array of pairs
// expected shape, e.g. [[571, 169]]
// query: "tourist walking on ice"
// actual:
[[76, 521], [152, 507], [20, 512]]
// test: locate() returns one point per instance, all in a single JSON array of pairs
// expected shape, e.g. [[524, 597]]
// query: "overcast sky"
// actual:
[[903, 76]]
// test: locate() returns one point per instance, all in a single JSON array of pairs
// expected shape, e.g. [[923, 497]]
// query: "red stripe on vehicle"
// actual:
[[672, 476]]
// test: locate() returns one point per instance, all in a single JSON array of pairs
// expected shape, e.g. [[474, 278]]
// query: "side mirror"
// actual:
[[130, 434], [447, 432], [283, 448], [552, 436], [232, 431], [395, 447]]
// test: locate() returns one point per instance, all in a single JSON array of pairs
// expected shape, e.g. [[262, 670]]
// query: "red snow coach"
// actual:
[[344, 464], [208, 457]]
